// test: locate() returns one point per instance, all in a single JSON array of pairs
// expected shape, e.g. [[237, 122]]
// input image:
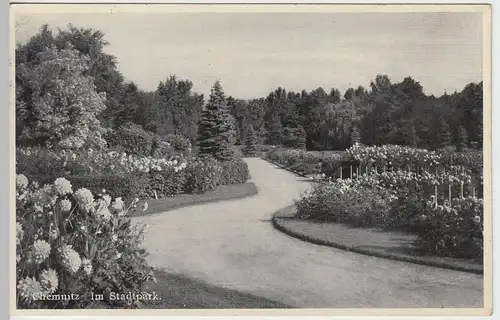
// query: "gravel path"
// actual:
[[233, 245]]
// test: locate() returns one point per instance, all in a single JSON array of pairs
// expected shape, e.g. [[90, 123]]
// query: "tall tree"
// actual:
[[250, 148], [214, 130], [63, 106]]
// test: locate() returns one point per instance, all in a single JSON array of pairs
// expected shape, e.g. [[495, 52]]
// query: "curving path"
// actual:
[[233, 245]]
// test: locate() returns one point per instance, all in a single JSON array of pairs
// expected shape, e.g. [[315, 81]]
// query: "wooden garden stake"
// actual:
[[461, 189], [350, 171], [436, 195], [473, 192], [340, 171], [449, 194], [156, 196]]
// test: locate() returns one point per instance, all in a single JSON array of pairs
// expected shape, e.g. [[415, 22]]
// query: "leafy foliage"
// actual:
[[234, 172], [62, 106]]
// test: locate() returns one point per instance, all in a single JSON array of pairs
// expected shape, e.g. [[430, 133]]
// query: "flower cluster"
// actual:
[[71, 239], [453, 228], [91, 161]]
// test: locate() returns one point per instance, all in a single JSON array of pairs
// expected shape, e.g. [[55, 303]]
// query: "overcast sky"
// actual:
[[253, 53]]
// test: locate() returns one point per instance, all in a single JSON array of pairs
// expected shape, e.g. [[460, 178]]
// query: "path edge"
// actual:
[[254, 192], [275, 221]]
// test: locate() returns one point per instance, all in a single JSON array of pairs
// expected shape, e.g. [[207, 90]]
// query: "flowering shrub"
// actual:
[[306, 162], [132, 138], [361, 202], [75, 242], [85, 162], [453, 229], [234, 172], [203, 175]]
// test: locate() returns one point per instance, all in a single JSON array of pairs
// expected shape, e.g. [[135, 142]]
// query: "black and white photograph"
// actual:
[[236, 157]]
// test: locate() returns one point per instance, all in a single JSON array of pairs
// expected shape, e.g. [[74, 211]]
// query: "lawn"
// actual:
[[179, 292], [221, 193]]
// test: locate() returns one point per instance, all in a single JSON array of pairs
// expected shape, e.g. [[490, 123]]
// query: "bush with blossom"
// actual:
[[73, 241], [454, 229], [306, 162], [63, 105], [361, 202], [35, 160], [203, 175]]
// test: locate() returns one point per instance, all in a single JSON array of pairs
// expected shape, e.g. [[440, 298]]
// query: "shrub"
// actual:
[[453, 230], [131, 138], [359, 202], [203, 175], [180, 143], [74, 241], [234, 172]]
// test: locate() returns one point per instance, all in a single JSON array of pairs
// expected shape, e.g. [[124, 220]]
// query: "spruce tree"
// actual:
[[215, 134], [250, 148]]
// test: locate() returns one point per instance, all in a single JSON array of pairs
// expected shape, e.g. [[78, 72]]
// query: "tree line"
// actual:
[[321, 119]]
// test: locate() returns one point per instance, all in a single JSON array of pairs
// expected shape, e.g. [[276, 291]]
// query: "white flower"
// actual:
[[63, 186], [107, 199], [45, 196], [477, 219], [145, 206], [21, 181], [105, 213], [70, 258], [84, 199], [49, 280], [65, 205], [41, 251], [118, 205], [28, 288], [19, 233], [87, 266]]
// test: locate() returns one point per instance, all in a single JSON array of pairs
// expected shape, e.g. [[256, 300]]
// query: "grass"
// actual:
[[370, 241], [221, 193], [179, 292]]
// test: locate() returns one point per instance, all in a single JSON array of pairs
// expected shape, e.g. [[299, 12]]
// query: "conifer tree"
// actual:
[[215, 134], [250, 148]]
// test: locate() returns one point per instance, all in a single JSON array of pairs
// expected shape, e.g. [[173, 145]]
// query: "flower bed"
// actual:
[[432, 194], [130, 176], [75, 243], [306, 162]]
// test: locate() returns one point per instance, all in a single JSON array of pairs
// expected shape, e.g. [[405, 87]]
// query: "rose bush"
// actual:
[[360, 202], [203, 175], [234, 172], [75, 241], [454, 229]]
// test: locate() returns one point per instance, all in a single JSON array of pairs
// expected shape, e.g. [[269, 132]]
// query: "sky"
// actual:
[[254, 53]]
